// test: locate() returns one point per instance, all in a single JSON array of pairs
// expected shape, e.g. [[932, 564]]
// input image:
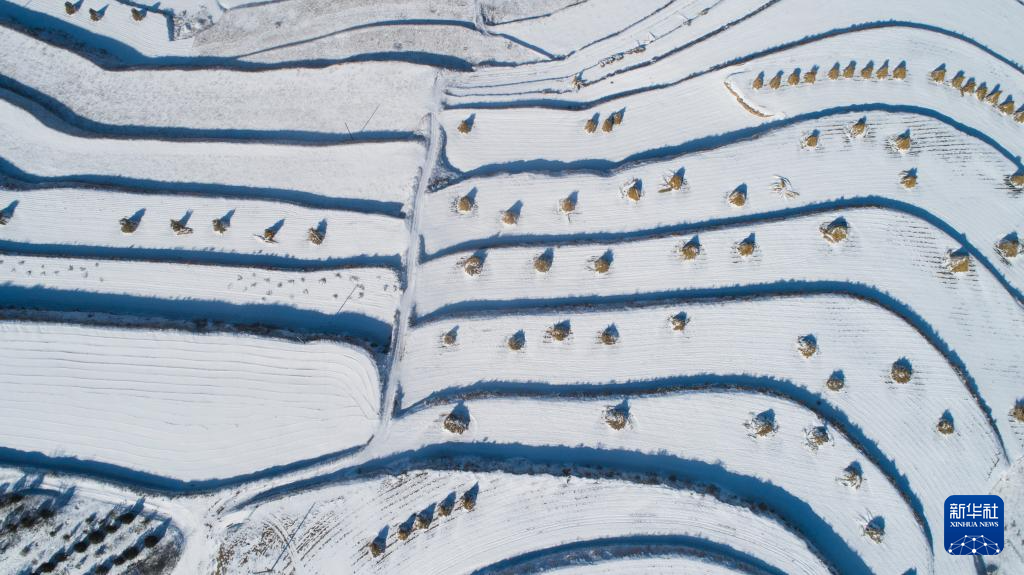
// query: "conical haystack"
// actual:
[[763, 424], [95, 15], [138, 14], [510, 217], [818, 436], [465, 204], [900, 73], [945, 425], [738, 197], [909, 179], [456, 422], [672, 184], [811, 75], [315, 236], [874, 531], [376, 548], [811, 141], [758, 82], [981, 91], [859, 128], [268, 235], [608, 125], [776, 82], [833, 73], [616, 417], [807, 344], [835, 231], [994, 97], [70, 9], [516, 341], [679, 321], [901, 371], [560, 331], [609, 336], [867, 71], [1017, 412], [794, 77], [959, 261], [542, 263], [603, 263], [746, 247], [128, 225], [450, 337], [591, 126], [691, 249], [836, 381], [883, 71], [938, 74], [958, 80], [849, 70], [1017, 180], [617, 117], [969, 87], [902, 142], [180, 228], [468, 501], [1007, 106], [473, 265], [567, 205], [634, 192], [220, 226], [1009, 246], [466, 126]]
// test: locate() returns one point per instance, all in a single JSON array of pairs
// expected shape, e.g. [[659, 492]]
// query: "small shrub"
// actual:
[[457, 421], [269, 235], [784, 188], [1017, 412], [807, 344], [901, 371], [466, 126], [763, 424], [672, 184], [836, 381]]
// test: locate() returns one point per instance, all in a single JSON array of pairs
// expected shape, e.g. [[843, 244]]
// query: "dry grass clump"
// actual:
[[591, 126], [738, 197], [1017, 412], [959, 261], [560, 331], [70, 9], [776, 82], [679, 321], [220, 225], [1009, 246], [811, 75], [849, 69], [818, 436], [866, 72], [634, 191], [763, 424], [457, 421], [567, 205], [807, 345], [95, 15], [510, 217], [758, 82], [129, 225], [465, 204], [1017, 179], [747, 246], [794, 77], [902, 142], [811, 141], [138, 14], [450, 337], [691, 249], [315, 236], [603, 263], [945, 425], [835, 231], [466, 126], [859, 128], [938, 74], [542, 263], [617, 416], [875, 530], [675, 183], [610, 335], [883, 71], [516, 341], [909, 179], [901, 371], [836, 381], [180, 228], [852, 476], [473, 265], [833, 73], [900, 73]]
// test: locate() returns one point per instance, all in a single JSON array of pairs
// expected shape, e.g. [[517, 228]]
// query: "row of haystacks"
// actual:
[[138, 13], [130, 224], [423, 519], [991, 95], [562, 331], [810, 75]]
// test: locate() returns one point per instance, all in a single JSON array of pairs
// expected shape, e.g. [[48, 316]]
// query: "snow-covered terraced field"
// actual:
[[566, 286]]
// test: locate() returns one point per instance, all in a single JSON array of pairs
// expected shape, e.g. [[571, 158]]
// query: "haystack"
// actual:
[[1017, 412], [179, 228], [376, 547], [70, 8], [763, 424], [617, 416], [450, 337], [852, 476], [883, 71], [516, 341], [835, 231], [902, 142], [900, 73], [591, 126], [794, 77], [867, 71], [1007, 106], [738, 197], [465, 204], [567, 205], [833, 73], [510, 217], [981, 91], [468, 500], [1017, 179], [909, 179], [672, 184], [610, 335], [423, 519], [603, 263], [746, 247], [959, 261], [95, 15], [818, 436], [129, 225], [874, 531], [466, 126], [901, 371], [849, 69], [473, 265], [994, 96], [811, 141], [776, 82], [635, 191], [315, 236], [958, 80], [836, 381], [617, 117], [969, 87], [445, 508], [691, 249], [1019, 116], [220, 226], [404, 530], [1009, 246], [269, 234], [945, 425], [859, 128], [807, 344], [560, 331], [679, 321], [758, 82], [138, 14], [542, 263], [608, 125], [811, 75], [938, 74]]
